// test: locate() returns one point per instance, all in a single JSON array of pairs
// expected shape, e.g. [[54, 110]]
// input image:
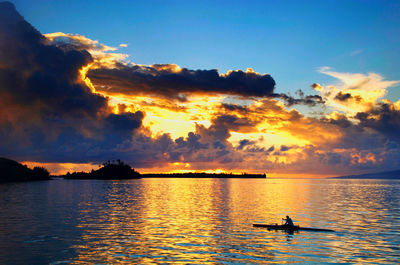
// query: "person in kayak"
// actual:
[[288, 221]]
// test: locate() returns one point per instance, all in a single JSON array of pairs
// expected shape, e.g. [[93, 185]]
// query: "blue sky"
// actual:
[[288, 39]]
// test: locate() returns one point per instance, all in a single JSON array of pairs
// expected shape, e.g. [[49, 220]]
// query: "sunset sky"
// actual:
[[291, 88]]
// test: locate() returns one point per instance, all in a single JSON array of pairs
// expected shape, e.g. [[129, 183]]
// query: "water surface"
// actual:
[[198, 221]]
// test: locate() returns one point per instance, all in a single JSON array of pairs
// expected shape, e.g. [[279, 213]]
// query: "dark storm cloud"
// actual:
[[32, 73], [47, 113], [124, 122], [167, 81], [384, 119]]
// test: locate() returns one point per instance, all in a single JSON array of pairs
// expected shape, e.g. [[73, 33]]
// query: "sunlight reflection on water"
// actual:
[[198, 221]]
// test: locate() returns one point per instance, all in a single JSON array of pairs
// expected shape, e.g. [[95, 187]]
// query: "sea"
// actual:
[[199, 221]]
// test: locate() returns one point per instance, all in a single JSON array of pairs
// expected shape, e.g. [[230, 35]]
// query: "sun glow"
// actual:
[[163, 116], [61, 168], [266, 126]]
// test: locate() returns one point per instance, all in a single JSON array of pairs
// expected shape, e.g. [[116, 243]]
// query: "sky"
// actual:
[[291, 88]]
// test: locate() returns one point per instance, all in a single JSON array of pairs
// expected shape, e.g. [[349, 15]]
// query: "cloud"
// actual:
[[171, 81], [355, 92], [235, 123], [76, 42], [112, 75], [383, 118], [343, 96], [336, 144], [309, 100], [244, 143], [102, 54], [317, 87], [285, 148], [48, 113], [36, 75]]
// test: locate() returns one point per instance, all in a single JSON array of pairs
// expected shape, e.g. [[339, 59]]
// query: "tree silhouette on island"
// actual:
[[110, 170], [202, 175], [12, 171]]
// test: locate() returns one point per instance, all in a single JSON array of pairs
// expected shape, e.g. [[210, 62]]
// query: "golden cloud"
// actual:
[[355, 92]]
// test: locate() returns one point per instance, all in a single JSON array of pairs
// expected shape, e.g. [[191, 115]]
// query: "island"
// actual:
[[110, 170], [202, 175], [12, 171]]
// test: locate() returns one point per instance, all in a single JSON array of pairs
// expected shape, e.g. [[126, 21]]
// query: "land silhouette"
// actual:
[[12, 171], [110, 170], [119, 170], [202, 175], [379, 175]]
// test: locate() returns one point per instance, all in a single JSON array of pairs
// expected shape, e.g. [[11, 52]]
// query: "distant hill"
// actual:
[[110, 170], [380, 175], [11, 171]]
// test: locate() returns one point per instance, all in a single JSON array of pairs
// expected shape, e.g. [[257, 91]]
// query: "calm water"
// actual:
[[198, 221]]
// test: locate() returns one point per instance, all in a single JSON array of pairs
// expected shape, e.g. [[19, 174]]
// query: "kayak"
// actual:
[[291, 228]]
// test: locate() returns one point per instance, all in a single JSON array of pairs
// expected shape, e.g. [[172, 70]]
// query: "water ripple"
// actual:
[[198, 221]]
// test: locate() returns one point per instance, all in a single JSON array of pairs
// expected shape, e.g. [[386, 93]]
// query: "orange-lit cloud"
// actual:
[[172, 82], [355, 92], [103, 55]]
